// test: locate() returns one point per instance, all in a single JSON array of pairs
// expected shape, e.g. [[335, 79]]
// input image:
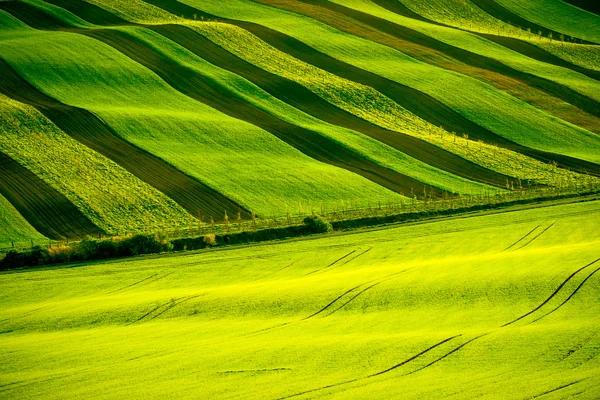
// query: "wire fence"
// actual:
[[343, 213]]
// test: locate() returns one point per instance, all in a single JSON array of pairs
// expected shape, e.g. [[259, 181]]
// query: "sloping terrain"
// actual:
[[498, 306], [266, 107]]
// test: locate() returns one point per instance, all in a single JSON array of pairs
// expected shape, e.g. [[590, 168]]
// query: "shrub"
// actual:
[[60, 254], [139, 244], [210, 240], [317, 224]]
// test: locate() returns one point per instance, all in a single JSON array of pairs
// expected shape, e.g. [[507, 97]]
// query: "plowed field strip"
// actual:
[[430, 50], [520, 46], [211, 93], [89, 130], [47, 210], [503, 14], [419, 103]]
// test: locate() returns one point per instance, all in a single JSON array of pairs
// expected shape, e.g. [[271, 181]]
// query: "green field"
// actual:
[[417, 311]]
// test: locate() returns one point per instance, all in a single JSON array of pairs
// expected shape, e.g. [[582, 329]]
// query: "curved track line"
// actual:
[[332, 302], [210, 92], [523, 238], [556, 389], [569, 298], [372, 375], [417, 102], [429, 50], [133, 284], [538, 235], [553, 294], [89, 130], [445, 355], [355, 257], [332, 264], [44, 207]]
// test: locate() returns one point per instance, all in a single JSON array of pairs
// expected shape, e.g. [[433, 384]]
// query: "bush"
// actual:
[[210, 240], [317, 224], [139, 244]]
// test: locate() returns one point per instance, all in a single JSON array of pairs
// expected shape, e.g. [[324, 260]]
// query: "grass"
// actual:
[[113, 199], [479, 102], [192, 324], [564, 17], [241, 161], [585, 55], [13, 227]]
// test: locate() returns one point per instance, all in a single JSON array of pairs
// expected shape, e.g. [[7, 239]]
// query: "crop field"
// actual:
[[299, 199], [496, 306], [186, 112]]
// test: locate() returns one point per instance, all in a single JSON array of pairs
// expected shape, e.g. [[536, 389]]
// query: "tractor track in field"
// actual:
[[518, 45], [165, 307], [556, 291], [145, 282], [133, 284], [332, 302], [568, 298], [331, 264], [417, 102], [522, 238], [91, 131], [546, 229], [44, 207], [447, 354], [206, 90], [430, 50], [357, 256], [556, 389], [412, 358]]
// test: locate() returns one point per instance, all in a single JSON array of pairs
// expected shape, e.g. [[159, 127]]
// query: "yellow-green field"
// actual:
[[494, 306]]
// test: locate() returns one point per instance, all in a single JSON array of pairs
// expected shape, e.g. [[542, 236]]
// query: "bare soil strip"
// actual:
[[46, 209], [430, 50], [211, 93], [413, 100]]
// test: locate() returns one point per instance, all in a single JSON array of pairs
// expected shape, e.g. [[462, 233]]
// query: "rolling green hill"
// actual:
[[498, 306]]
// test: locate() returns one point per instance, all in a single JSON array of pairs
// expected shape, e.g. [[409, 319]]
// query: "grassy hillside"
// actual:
[[268, 107], [446, 309], [13, 227], [134, 102]]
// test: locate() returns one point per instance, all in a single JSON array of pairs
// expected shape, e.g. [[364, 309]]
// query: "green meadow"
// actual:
[[13, 227], [495, 306]]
